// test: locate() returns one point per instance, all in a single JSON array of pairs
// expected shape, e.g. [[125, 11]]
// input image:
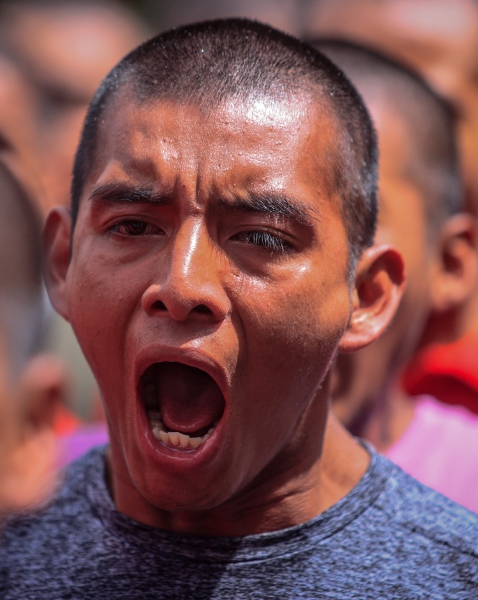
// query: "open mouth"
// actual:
[[183, 404]]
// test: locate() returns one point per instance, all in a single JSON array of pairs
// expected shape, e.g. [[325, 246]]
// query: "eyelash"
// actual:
[[121, 228], [265, 240], [262, 239]]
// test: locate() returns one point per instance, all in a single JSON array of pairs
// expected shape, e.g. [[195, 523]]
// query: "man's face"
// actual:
[[362, 377], [208, 289]]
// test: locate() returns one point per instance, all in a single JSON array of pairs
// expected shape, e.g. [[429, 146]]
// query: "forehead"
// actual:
[[255, 145]]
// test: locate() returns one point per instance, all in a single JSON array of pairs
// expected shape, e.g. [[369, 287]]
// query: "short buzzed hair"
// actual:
[[433, 163], [208, 63], [21, 289]]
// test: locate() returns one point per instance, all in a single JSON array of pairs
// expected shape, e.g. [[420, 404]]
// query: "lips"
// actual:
[[183, 404]]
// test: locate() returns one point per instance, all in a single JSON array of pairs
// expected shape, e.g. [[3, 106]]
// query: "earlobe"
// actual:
[[379, 286], [56, 250]]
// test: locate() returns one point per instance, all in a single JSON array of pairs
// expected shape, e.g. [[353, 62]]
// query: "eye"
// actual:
[[265, 240], [133, 227]]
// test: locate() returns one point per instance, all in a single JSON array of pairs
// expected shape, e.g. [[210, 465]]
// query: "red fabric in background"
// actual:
[[66, 422], [447, 371]]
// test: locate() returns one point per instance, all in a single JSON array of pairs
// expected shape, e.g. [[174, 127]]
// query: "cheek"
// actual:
[[290, 336], [101, 300], [291, 332]]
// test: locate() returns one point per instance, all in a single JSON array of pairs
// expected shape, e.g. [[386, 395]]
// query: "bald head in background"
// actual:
[[420, 195], [439, 39], [396, 95], [420, 212], [63, 49]]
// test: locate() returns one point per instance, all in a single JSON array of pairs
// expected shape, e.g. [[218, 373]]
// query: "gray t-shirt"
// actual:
[[390, 537]]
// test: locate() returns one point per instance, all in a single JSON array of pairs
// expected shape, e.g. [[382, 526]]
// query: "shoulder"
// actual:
[[427, 516]]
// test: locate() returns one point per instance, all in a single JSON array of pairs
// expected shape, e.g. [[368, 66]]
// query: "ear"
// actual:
[[56, 249], [456, 271], [379, 286], [30, 475]]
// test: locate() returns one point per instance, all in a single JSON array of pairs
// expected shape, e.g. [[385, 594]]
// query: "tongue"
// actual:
[[189, 399]]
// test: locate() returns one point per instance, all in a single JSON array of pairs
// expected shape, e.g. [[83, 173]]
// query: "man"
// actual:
[[440, 40], [223, 210], [30, 388], [420, 196]]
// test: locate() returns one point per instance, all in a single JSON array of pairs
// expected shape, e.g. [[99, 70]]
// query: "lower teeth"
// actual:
[[175, 439]]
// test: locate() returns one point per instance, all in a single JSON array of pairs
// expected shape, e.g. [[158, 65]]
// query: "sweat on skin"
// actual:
[[201, 276]]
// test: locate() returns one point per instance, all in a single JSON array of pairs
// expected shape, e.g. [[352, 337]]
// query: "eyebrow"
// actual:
[[271, 204], [122, 193], [254, 203]]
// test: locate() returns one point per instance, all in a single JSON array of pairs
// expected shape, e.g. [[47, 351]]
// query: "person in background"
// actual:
[[286, 15], [439, 39], [64, 49], [420, 212], [31, 387], [56, 54]]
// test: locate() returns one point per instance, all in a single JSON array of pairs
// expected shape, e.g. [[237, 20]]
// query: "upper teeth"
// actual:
[[175, 438]]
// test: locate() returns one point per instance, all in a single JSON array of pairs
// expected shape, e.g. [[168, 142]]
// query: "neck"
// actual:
[[291, 490]]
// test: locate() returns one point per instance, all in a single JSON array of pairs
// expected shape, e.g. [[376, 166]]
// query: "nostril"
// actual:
[[158, 305], [202, 309]]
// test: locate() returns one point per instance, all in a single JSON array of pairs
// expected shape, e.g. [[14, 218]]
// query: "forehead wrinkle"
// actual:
[[275, 203], [116, 173], [135, 148]]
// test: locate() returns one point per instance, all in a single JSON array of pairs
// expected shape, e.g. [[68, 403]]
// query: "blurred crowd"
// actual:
[[414, 392]]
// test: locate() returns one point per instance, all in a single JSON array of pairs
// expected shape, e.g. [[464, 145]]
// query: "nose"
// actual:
[[189, 283]]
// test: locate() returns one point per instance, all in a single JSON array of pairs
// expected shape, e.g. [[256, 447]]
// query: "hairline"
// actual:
[[125, 85]]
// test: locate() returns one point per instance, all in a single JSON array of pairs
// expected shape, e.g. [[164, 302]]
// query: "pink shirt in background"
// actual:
[[80, 441], [440, 449]]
